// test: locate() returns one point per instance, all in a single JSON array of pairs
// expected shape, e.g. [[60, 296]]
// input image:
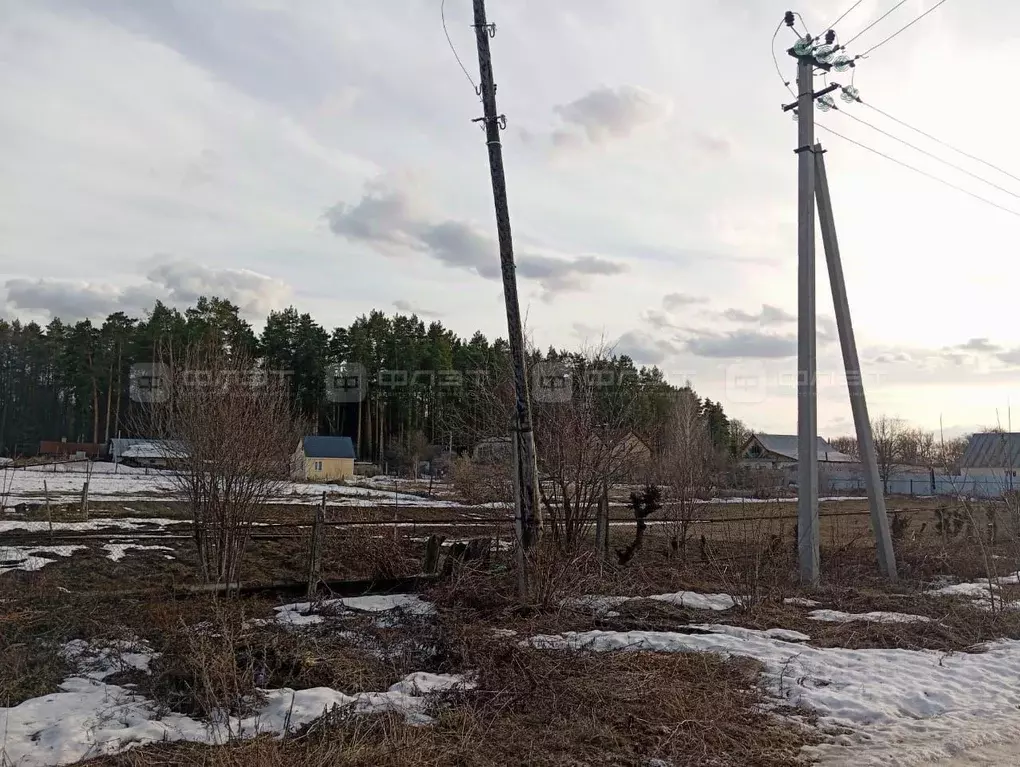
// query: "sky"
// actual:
[[322, 154]]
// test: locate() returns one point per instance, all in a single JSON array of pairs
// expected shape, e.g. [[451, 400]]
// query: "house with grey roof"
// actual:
[[779, 451], [991, 461]]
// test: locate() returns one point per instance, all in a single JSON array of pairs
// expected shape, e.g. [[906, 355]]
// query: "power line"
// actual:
[[903, 29], [846, 13], [930, 154], [901, 2], [939, 141], [442, 14], [918, 170]]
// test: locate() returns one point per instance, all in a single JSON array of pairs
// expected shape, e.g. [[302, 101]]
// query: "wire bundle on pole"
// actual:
[[830, 55]]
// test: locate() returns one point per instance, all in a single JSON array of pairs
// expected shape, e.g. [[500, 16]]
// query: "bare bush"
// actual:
[[229, 436]]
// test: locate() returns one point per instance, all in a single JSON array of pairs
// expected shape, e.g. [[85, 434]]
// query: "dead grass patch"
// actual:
[[540, 708]]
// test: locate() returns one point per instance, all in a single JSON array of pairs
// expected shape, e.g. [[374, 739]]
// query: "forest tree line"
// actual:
[[73, 381]]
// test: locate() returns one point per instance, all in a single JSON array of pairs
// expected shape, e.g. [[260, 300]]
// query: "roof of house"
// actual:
[[991, 450], [154, 448], [786, 445], [328, 447]]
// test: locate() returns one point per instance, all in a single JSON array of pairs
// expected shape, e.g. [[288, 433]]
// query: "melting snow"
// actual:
[[691, 599], [903, 707], [117, 551], [23, 557], [89, 718], [801, 602], [981, 591], [299, 613], [101, 523], [835, 616]]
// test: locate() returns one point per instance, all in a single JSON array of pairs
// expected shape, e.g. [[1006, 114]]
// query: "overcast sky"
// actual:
[[321, 153]]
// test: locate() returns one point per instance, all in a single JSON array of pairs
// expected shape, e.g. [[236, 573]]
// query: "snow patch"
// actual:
[[89, 718], [117, 551], [903, 707], [800, 602], [25, 557], [300, 613], [691, 599], [835, 616]]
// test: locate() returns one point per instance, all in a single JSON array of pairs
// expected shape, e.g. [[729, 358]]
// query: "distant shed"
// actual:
[[323, 459]]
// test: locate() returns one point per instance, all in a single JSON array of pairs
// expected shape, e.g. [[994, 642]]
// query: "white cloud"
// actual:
[[174, 282], [606, 113], [394, 220]]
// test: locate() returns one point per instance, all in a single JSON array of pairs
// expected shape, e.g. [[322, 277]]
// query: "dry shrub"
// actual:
[[544, 708], [370, 552], [477, 482], [29, 662], [203, 669]]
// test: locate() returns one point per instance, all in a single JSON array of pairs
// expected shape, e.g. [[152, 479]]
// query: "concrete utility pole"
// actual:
[[858, 404], [529, 513], [807, 400]]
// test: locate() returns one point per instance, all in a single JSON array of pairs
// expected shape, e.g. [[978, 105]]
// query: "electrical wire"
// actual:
[[775, 60], [846, 13], [442, 14], [901, 2], [925, 152], [903, 29], [806, 30], [939, 141], [918, 170]]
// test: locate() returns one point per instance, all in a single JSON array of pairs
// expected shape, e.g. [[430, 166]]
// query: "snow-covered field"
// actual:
[[133, 484]]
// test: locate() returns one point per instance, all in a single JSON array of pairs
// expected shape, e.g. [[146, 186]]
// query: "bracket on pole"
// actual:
[[816, 95]]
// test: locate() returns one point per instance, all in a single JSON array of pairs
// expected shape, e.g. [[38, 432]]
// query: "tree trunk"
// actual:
[[120, 386], [109, 402], [358, 431], [95, 409]]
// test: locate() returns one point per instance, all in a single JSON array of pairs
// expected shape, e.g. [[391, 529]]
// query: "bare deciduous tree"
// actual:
[[584, 444], [887, 434], [229, 436], [846, 445], [686, 467]]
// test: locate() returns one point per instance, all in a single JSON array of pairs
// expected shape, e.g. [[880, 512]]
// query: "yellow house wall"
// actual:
[[332, 468]]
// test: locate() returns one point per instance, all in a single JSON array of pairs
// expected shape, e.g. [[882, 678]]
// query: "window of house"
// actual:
[[754, 451], [318, 465]]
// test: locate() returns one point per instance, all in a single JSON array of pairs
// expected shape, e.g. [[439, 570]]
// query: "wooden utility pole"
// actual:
[[529, 511]]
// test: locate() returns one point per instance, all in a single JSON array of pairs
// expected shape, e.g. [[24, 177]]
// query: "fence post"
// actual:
[[49, 512], [84, 507], [315, 554]]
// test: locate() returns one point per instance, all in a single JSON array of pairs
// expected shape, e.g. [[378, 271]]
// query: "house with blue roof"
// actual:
[[323, 459]]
